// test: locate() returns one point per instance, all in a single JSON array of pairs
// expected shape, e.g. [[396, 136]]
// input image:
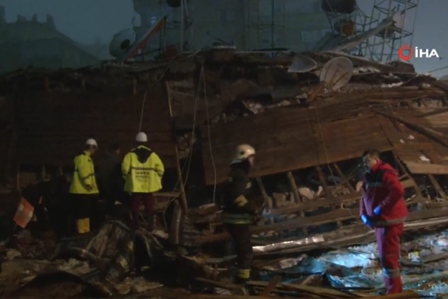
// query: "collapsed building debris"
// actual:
[[308, 135]]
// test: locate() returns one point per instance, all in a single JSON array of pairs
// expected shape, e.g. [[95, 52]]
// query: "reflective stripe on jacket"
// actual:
[[83, 175], [143, 170], [237, 218]]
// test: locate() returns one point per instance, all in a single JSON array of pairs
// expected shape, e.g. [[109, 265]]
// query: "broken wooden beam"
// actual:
[[271, 285], [426, 168], [333, 216], [403, 295], [321, 292]]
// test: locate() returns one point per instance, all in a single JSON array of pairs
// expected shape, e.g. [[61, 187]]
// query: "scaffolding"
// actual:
[[265, 24], [346, 20], [384, 45]]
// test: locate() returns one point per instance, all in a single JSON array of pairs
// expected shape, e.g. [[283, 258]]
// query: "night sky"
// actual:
[[88, 20]]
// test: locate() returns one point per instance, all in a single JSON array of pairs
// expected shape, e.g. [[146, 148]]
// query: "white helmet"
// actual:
[[243, 151], [91, 142], [141, 137]]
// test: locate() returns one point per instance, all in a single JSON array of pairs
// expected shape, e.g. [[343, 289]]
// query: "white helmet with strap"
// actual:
[[243, 151], [141, 137], [91, 142]]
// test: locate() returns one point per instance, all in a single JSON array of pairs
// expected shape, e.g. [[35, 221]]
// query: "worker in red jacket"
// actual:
[[383, 208]]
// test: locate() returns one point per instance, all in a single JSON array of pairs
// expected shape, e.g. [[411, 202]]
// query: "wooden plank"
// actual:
[[267, 199], [426, 168], [264, 193], [407, 183], [215, 296], [295, 193], [420, 197], [219, 284], [319, 203], [433, 134], [329, 217], [345, 180], [295, 129], [310, 290], [272, 284], [437, 186], [183, 197], [403, 295], [293, 187]]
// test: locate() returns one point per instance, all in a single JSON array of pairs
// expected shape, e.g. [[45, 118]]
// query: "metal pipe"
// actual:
[[385, 35], [289, 244], [272, 24], [413, 25], [181, 26]]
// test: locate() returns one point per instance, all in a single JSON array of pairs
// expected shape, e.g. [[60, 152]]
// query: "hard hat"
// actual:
[[141, 137], [243, 151], [91, 142]]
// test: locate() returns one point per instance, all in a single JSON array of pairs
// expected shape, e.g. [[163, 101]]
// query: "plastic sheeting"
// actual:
[[288, 244]]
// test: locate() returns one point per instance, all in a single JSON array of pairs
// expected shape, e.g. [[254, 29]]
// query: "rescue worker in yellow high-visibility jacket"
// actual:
[[143, 171], [83, 187]]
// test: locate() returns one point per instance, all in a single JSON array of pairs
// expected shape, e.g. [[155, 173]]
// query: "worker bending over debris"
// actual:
[[142, 170], [83, 188], [383, 209], [240, 210]]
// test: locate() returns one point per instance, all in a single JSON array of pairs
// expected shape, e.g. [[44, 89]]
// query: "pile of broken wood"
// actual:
[[311, 140], [308, 137]]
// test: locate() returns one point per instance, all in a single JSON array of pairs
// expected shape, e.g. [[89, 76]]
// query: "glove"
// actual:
[[377, 211], [367, 221], [266, 212]]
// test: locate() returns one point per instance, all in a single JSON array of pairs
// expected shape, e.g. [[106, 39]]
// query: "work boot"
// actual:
[[240, 280], [80, 226], [243, 276]]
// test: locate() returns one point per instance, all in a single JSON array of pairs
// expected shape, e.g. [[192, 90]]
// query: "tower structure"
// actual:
[[265, 23], [384, 45]]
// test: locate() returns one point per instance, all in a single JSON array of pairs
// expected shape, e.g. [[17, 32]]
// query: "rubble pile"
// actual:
[[309, 133], [309, 137]]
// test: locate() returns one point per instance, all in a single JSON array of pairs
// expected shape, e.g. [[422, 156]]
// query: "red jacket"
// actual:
[[383, 188]]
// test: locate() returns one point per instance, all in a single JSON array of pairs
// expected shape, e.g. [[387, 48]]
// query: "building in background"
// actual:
[[30, 43], [246, 24]]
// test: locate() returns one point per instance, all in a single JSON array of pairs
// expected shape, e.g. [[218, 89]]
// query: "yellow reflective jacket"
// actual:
[[142, 170], [83, 175]]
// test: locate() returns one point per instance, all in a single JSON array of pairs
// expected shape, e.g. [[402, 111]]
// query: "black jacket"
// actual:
[[238, 191], [109, 173]]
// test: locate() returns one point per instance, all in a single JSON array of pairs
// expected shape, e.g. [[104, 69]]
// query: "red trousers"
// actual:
[[136, 200], [388, 241]]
